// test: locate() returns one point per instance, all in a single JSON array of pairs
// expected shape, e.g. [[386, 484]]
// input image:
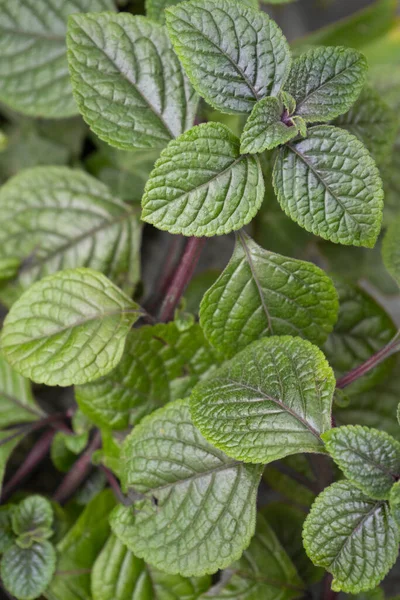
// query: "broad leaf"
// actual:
[[34, 76], [119, 575], [368, 457], [6, 449], [391, 249], [351, 536], [155, 8], [394, 502], [199, 509], [17, 404], [261, 293], [127, 81], [26, 572], [33, 516], [233, 55], [68, 328], [343, 204], [7, 535], [325, 82], [202, 186], [57, 218], [272, 399]]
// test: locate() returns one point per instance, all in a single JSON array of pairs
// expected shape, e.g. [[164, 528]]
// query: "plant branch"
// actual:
[[327, 591], [114, 485], [167, 272], [55, 420]]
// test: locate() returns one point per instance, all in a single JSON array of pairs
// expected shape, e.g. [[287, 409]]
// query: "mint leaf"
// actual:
[[26, 572], [202, 186], [34, 76], [56, 218], [233, 55], [6, 449], [32, 516], [284, 478], [261, 293], [155, 8], [394, 502], [338, 532], [342, 205], [9, 268], [368, 457], [77, 344], [325, 82], [272, 399], [391, 249], [118, 575], [65, 449], [203, 515], [17, 404], [127, 81], [7, 535]]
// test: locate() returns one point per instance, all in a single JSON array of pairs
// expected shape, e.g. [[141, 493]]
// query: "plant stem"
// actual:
[[168, 269], [181, 278], [114, 485], [55, 420], [327, 592]]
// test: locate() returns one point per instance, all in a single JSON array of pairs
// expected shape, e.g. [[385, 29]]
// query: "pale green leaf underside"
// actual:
[[205, 512], [329, 184], [271, 400], [232, 54], [68, 328], [261, 293], [119, 575], [26, 572], [155, 8], [391, 249], [56, 218], [17, 404], [326, 81], [34, 76], [351, 536], [368, 457], [127, 81], [202, 186]]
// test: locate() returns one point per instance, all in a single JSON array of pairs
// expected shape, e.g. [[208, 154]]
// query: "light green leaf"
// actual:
[[343, 204], [7, 535], [391, 249], [9, 268], [17, 404], [272, 399], [158, 362], [155, 8], [68, 328], [65, 448], [119, 575], [325, 82], [394, 502], [233, 55], [33, 516], [34, 76], [261, 293], [57, 218], [199, 509], [127, 81], [6, 449], [375, 594], [26, 572], [202, 186], [368, 457], [3, 141], [351, 536]]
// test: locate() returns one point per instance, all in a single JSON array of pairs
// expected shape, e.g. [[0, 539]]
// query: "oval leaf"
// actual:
[[32, 514], [26, 572], [17, 404]]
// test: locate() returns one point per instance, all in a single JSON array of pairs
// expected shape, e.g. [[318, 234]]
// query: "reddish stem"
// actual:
[[182, 276], [114, 485], [327, 592], [168, 269], [55, 421]]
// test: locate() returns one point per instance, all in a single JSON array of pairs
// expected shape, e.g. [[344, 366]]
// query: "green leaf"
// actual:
[[261, 293], [199, 509], [158, 363], [57, 218], [351, 536], [391, 249], [127, 81], [68, 328], [375, 594], [325, 82], [264, 572], [34, 76], [368, 457], [17, 404], [272, 399], [233, 55], [33, 516], [7, 535], [343, 204], [65, 448], [202, 186], [9, 268], [119, 575], [26, 572], [394, 502], [6, 449], [293, 479], [155, 8]]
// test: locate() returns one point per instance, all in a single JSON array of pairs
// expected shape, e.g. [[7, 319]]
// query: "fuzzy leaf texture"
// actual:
[[17, 404], [352, 536], [232, 54], [202, 186], [205, 509], [343, 203], [261, 293], [68, 328], [34, 76], [272, 399], [26, 572], [127, 81]]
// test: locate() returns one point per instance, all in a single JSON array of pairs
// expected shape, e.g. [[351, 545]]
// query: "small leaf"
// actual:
[[351, 536], [68, 328], [26, 572], [272, 399], [343, 204], [17, 404], [368, 457], [394, 502], [261, 293], [127, 81], [7, 535], [9, 268], [198, 513], [202, 186], [325, 82], [34, 514], [391, 249], [233, 55], [65, 448]]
